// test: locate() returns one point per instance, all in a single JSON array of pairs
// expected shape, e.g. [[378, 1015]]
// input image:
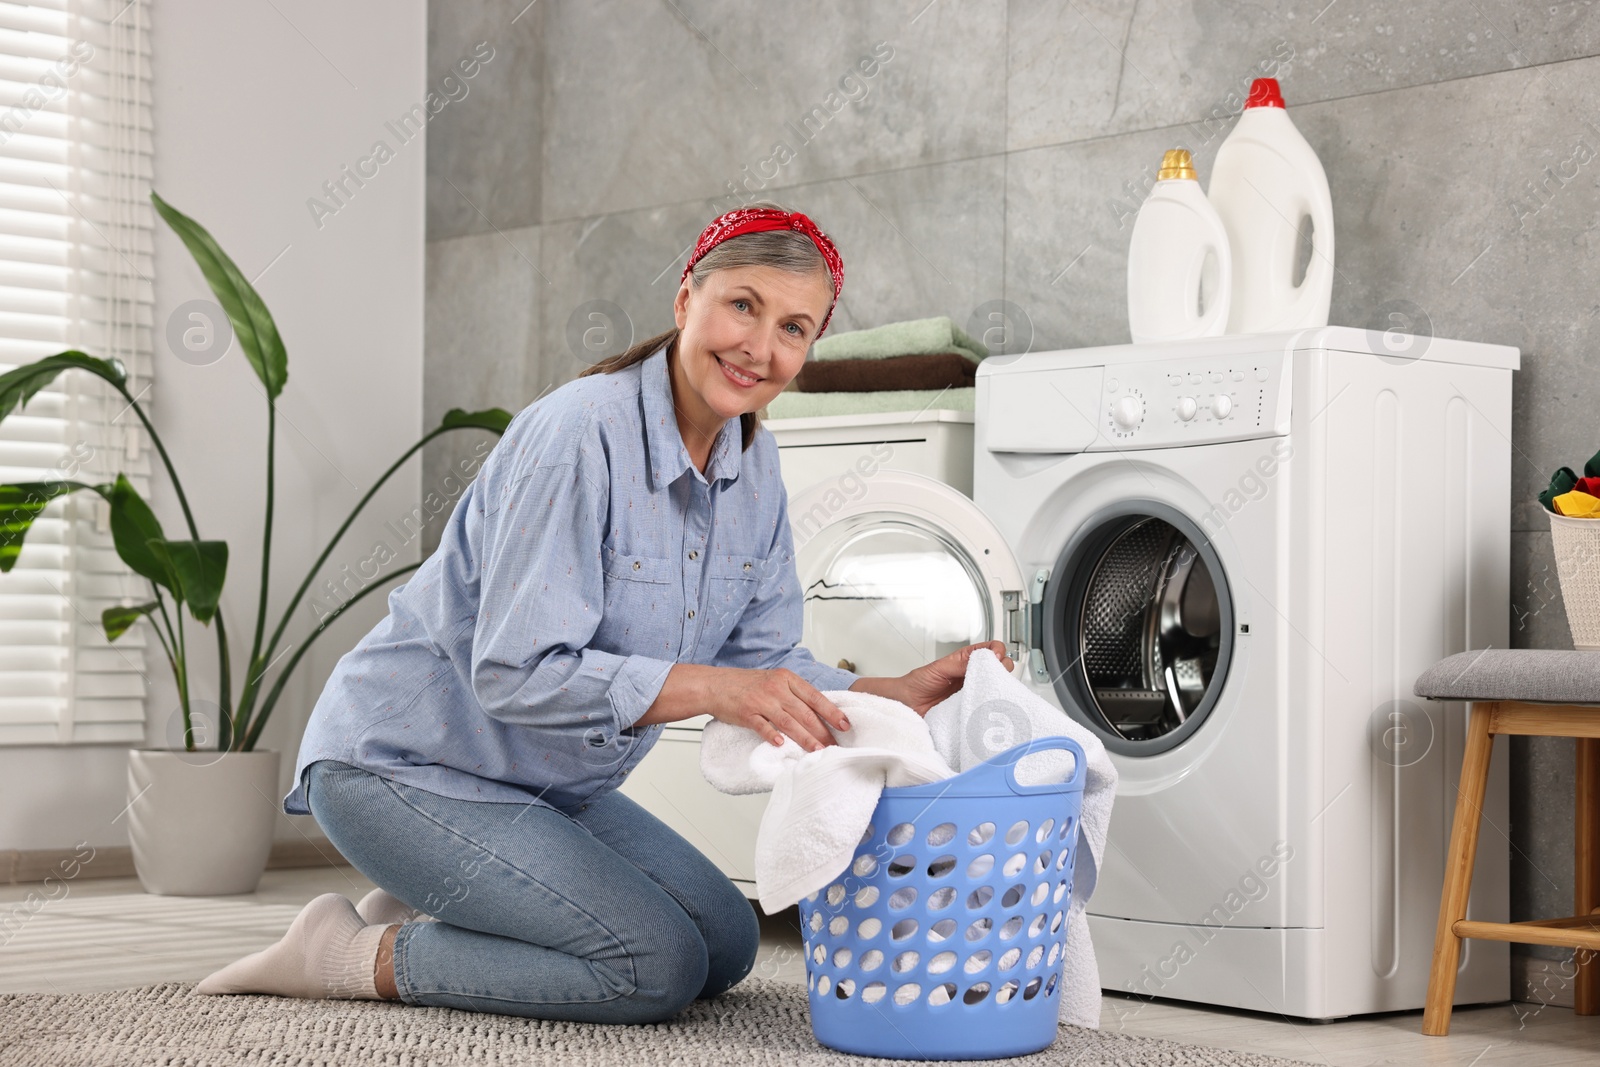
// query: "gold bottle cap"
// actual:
[[1177, 163]]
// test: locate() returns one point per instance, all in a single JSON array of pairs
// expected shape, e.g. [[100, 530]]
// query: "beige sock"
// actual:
[[382, 907], [328, 952]]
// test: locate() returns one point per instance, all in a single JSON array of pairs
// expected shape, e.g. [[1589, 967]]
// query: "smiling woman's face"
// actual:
[[743, 336]]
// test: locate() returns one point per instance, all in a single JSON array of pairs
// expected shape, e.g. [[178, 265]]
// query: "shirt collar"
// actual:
[[669, 458]]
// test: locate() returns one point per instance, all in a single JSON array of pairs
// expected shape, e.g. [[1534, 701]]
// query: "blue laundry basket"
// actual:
[[944, 938]]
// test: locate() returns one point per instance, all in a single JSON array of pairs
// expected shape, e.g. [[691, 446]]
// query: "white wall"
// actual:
[[255, 106]]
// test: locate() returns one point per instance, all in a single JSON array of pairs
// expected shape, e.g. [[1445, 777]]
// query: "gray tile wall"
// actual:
[[998, 152]]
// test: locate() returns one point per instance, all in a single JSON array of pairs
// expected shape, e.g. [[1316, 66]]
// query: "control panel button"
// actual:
[[1187, 408], [1127, 412], [1221, 405], [1216, 376], [1262, 374], [1238, 375]]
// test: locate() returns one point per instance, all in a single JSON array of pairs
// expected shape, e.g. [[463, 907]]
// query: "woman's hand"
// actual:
[[773, 703], [927, 685]]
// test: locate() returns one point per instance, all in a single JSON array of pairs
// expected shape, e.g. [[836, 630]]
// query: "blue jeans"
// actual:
[[602, 915]]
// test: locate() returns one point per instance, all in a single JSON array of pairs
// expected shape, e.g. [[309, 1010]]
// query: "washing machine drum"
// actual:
[[1140, 628]]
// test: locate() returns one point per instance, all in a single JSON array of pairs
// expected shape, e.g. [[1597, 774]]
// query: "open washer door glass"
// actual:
[[902, 573]]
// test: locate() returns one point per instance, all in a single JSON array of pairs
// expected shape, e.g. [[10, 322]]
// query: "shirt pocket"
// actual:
[[642, 594], [620, 566], [732, 581]]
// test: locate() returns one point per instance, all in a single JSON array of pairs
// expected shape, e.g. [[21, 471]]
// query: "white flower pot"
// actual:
[[1576, 543], [200, 823]]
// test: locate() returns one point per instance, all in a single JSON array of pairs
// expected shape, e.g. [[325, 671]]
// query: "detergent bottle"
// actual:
[[1179, 271], [1269, 187]]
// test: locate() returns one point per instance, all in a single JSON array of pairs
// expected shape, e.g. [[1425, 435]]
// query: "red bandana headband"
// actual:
[[760, 219]]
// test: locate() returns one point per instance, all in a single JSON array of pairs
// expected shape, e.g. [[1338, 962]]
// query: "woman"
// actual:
[[623, 560]]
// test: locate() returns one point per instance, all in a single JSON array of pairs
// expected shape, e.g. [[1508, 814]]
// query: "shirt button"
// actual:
[[747, 566], [694, 553], [691, 613], [635, 564]]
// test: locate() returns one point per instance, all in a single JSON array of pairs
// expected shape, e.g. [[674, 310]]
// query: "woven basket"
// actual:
[[1577, 549]]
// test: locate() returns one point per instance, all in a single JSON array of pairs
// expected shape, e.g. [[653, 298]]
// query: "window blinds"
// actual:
[[75, 270]]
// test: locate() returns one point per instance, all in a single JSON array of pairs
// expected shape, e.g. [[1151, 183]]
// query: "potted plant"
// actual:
[[200, 820], [1573, 505]]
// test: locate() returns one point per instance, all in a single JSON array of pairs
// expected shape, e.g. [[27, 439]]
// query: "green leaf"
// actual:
[[197, 570], [117, 620], [18, 386], [494, 420], [252, 322], [133, 527], [20, 504]]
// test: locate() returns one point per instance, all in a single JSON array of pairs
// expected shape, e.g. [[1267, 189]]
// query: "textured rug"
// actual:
[[757, 1023]]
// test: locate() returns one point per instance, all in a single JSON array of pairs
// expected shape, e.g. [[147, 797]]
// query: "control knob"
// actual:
[[1127, 412], [1187, 408], [1221, 405]]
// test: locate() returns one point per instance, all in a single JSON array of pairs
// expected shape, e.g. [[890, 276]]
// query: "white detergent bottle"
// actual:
[[1179, 270], [1269, 187]]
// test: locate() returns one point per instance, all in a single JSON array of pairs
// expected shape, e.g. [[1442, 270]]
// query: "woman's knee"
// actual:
[[670, 969], [731, 948]]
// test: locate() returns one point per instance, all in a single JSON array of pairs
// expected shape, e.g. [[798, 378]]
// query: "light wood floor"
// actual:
[[109, 934]]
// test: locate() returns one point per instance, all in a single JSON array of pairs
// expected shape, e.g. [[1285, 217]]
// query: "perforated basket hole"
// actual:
[[976, 994], [942, 834], [841, 957], [1050, 986], [1040, 892], [903, 897], [1006, 991], [941, 931], [942, 994], [866, 896], [838, 926], [1031, 990], [901, 866], [900, 834], [1015, 864], [980, 834], [865, 864], [980, 897], [1036, 927], [845, 988], [1055, 923], [903, 929], [815, 922], [819, 952], [977, 961], [811, 979], [980, 867], [1018, 831], [1061, 891], [873, 992], [836, 894], [1041, 862], [1043, 831], [1061, 859], [1010, 958], [822, 984], [867, 929], [1066, 829], [941, 963], [1012, 926], [1013, 895], [941, 866], [940, 899], [871, 959], [1055, 954], [1035, 956], [980, 929], [906, 961]]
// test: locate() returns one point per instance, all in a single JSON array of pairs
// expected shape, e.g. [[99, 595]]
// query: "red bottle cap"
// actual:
[[1264, 93]]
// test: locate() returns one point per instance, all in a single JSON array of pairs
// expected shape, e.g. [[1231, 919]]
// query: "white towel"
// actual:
[[822, 802], [994, 711]]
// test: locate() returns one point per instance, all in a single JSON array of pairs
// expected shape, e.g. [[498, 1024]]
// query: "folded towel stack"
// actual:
[[903, 366]]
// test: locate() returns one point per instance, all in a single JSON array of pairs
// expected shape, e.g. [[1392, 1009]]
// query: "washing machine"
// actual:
[[1230, 558]]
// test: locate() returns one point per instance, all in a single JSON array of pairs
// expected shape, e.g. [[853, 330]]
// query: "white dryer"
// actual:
[[1230, 558]]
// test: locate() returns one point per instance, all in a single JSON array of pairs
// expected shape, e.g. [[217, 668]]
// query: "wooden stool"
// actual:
[[1519, 691]]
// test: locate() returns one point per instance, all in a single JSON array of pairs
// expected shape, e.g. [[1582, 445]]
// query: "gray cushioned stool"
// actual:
[[1519, 691]]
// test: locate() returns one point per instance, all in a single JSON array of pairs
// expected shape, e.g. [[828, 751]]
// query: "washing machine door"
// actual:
[[901, 573]]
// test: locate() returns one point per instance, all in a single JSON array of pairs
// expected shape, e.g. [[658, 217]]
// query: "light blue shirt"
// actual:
[[587, 557]]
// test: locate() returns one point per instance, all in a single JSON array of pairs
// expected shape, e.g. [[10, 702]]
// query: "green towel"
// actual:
[[794, 405], [916, 337]]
